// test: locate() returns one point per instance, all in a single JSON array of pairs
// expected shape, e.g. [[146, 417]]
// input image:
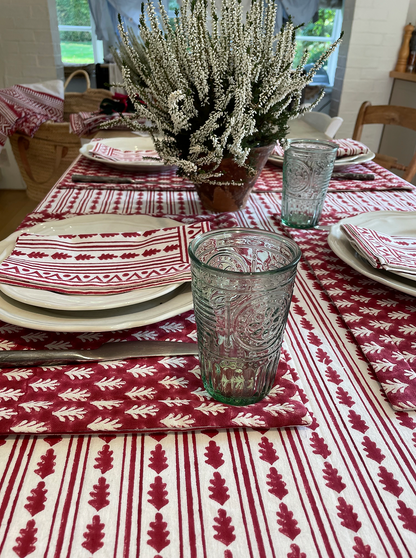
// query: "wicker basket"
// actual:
[[44, 158]]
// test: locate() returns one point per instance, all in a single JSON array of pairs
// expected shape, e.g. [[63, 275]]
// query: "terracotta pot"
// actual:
[[220, 198]]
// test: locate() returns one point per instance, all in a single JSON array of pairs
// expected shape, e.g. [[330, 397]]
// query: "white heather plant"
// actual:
[[214, 85]]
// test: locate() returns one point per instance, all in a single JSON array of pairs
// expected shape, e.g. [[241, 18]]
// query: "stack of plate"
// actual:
[[399, 223], [339, 163], [50, 311]]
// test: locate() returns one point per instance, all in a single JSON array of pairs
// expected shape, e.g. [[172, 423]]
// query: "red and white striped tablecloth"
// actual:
[[343, 486]]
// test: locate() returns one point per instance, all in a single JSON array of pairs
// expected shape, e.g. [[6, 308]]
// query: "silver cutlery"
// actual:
[[109, 351], [353, 176], [110, 179]]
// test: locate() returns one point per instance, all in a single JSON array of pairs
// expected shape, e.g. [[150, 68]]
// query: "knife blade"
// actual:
[[110, 179], [109, 351], [353, 176]]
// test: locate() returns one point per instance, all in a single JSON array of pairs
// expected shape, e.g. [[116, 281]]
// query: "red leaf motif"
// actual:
[[348, 516], [334, 480], [362, 550], [306, 324], [82, 257], [46, 465], [357, 422], [333, 376], [344, 397], [60, 256], [129, 255], [276, 483], [36, 499], [390, 483], [104, 461], [171, 248], [323, 357], [105, 257], [213, 455], [145, 234], [158, 459], [319, 445], [224, 529], [27, 540], [150, 252], [94, 535], [99, 495], [372, 451], [288, 525], [37, 255], [52, 440], [295, 552], [218, 489], [158, 533], [314, 339], [267, 451], [405, 420], [158, 493], [298, 310], [407, 516]]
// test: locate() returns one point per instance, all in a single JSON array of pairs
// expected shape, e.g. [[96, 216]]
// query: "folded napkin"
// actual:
[[382, 251], [105, 263], [107, 153], [346, 148], [84, 123], [24, 108]]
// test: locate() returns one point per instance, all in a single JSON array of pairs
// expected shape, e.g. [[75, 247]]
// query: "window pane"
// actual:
[[315, 49], [76, 47], [73, 12], [322, 27]]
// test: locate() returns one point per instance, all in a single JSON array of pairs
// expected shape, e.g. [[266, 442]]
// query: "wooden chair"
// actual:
[[393, 115]]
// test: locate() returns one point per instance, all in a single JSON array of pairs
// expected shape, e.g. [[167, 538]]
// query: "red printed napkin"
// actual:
[[346, 148], [106, 153], [392, 253], [84, 123], [104, 263]]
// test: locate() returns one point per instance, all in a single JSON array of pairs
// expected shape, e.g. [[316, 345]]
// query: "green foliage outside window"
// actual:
[[322, 27], [74, 12]]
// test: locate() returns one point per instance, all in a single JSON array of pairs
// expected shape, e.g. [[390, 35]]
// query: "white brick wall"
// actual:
[[373, 36], [29, 42]]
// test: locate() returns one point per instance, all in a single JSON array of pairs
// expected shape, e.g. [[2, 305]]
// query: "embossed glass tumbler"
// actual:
[[242, 283], [307, 168]]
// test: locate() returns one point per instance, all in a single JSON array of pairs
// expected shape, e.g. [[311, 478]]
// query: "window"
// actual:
[[79, 44], [316, 36]]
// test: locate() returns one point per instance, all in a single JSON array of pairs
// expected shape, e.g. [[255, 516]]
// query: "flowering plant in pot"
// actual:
[[219, 89]]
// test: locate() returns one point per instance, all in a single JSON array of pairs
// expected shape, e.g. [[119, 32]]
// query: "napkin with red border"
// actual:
[[105, 263], [104, 152], [346, 148]]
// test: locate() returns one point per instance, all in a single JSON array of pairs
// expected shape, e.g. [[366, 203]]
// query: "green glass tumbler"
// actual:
[[242, 284], [307, 169]]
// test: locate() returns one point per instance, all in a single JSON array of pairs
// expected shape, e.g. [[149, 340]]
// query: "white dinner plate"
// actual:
[[339, 163], [81, 225], [136, 315], [390, 222], [126, 144]]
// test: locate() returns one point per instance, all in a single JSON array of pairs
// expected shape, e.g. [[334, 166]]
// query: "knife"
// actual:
[[109, 179], [109, 351], [353, 176]]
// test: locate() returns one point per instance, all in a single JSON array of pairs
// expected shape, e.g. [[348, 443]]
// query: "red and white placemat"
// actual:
[[105, 263], [153, 394], [381, 319]]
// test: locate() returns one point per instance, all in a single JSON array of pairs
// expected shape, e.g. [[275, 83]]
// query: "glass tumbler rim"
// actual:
[[332, 146], [291, 244]]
